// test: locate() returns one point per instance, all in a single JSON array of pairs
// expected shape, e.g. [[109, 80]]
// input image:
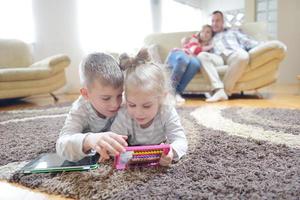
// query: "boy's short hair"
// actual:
[[100, 67]]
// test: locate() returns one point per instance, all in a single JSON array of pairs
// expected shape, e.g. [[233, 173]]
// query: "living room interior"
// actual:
[[53, 36]]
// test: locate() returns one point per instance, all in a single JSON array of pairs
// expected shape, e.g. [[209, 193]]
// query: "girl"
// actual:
[[198, 42], [147, 118], [184, 63]]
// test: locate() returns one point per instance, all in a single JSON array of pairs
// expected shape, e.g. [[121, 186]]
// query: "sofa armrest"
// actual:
[[24, 74], [53, 63], [39, 70], [266, 47], [266, 52]]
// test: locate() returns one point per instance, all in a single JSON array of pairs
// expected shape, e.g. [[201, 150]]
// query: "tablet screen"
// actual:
[[51, 162]]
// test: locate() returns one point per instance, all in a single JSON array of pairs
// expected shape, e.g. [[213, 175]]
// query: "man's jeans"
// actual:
[[184, 68]]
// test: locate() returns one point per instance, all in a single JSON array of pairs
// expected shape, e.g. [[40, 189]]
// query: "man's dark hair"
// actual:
[[218, 12]]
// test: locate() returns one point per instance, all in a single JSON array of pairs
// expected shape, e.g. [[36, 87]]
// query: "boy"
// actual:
[[92, 114]]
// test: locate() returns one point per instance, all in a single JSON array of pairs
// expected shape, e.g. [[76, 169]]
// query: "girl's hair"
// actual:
[[206, 26], [203, 27], [145, 75], [100, 67]]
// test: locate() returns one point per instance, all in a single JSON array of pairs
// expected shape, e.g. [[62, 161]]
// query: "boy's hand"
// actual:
[[104, 143], [166, 160]]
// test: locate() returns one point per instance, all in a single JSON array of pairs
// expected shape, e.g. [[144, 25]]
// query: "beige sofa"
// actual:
[[20, 77], [261, 71]]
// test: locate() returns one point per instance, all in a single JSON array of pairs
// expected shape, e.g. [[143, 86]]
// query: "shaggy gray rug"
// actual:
[[234, 153]]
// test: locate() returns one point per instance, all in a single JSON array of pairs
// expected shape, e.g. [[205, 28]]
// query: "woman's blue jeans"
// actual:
[[184, 68]]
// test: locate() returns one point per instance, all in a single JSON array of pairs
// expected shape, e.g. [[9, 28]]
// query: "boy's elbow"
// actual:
[[184, 149], [64, 150], [61, 150]]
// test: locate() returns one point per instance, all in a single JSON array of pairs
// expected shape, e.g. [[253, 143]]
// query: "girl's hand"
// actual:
[[105, 143], [166, 160], [207, 48]]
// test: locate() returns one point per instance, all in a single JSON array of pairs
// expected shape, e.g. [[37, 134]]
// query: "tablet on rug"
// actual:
[[51, 162]]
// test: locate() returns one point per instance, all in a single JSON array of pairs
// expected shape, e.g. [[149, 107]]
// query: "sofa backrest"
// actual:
[[258, 30], [167, 41], [14, 53]]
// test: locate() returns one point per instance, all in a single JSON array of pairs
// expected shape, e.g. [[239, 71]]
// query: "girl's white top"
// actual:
[[165, 128]]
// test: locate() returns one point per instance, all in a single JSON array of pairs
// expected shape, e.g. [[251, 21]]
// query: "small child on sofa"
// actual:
[[88, 123], [148, 119], [198, 42], [183, 61]]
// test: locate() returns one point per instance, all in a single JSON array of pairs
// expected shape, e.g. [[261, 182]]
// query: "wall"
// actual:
[[250, 10], [212, 5], [289, 33], [56, 32]]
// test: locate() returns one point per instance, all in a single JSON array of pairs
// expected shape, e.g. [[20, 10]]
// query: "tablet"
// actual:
[[51, 162]]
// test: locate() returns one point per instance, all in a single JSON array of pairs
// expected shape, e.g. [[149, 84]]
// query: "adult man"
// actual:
[[230, 47]]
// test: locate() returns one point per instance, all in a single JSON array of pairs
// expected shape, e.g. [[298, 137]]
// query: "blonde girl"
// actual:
[[147, 118]]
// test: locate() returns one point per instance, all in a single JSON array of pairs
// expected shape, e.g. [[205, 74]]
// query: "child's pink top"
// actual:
[[193, 46]]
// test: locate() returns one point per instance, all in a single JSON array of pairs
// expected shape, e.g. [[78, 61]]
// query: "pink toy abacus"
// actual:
[[141, 156]]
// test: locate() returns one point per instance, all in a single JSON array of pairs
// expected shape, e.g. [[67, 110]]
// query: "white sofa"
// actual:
[[261, 71], [21, 77]]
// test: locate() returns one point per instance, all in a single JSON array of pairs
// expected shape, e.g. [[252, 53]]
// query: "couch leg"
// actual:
[[54, 97], [258, 94]]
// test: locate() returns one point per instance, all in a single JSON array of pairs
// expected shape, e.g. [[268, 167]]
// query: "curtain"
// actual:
[[114, 25], [16, 21]]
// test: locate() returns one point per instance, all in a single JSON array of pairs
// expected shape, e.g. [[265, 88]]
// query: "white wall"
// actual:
[[289, 33], [212, 5], [250, 7], [57, 32]]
